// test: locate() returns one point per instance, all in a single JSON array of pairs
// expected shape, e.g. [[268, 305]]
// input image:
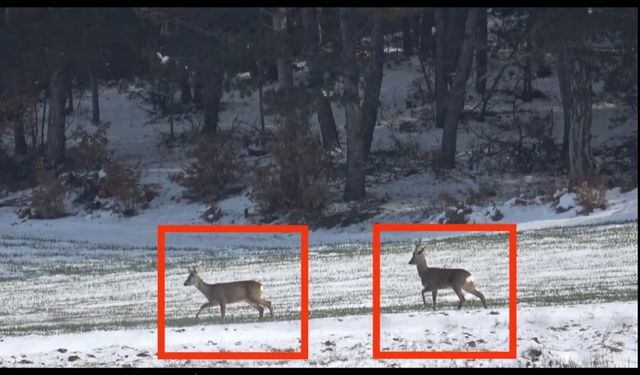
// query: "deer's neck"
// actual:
[[422, 266], [202, 286]]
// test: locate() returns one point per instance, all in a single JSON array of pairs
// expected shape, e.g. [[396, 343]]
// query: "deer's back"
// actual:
[[440, 278], [236, 291]]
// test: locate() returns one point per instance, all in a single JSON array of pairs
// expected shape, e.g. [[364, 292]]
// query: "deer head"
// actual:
[[193, 276], [418, 251]]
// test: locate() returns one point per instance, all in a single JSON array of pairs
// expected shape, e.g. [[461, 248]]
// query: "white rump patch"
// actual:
[[470, 279]]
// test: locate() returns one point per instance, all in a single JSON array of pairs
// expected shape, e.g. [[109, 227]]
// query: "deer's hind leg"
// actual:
[[470, 288], [223, 310], [263, 302], [257, 307], [266, 303], [458, 291]]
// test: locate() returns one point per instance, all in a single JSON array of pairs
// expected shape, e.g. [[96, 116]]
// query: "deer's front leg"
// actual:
[[434, 294], [208, 304], [223, 308], [425, 290]]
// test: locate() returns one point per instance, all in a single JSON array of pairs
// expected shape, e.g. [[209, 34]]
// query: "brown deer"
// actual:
[[434, 279], [226, 293]]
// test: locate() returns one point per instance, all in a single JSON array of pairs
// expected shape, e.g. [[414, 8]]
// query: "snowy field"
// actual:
[[581, 335], [58, 293]]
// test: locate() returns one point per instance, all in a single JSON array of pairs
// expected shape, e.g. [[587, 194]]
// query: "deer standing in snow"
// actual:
[[226, 293], [434, 279]]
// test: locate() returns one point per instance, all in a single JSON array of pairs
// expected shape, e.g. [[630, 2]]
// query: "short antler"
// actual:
[[418, 245]]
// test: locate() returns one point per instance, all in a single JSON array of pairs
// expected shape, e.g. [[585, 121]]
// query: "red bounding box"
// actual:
[[303, 230], [509, 354]]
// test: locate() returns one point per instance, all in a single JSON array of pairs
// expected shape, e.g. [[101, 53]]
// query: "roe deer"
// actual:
[[442, 278], [225, 293]]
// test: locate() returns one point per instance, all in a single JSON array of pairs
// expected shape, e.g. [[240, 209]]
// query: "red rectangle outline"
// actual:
[[395, 227], [304, 294]]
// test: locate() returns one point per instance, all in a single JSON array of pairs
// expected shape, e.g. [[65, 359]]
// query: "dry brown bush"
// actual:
[[298, 177], [47, 199], [214, 171]]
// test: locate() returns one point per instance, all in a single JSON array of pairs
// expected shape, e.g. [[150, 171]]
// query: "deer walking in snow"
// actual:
[[434, 279], [227, 293]]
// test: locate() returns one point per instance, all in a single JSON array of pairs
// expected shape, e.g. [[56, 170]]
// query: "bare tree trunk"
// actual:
[[325, 113], [15, 111], [455, 27], [19, 144], [327, 122], [44, 116], [211, 94], [527, 87], [198, 101], [289, 181], [283, 66], [578, 69], [260, 81], [415, 30], [360, 121], [373, 82], [185, 88], [565, 98], [354, 184], [95, 103], [426, 38], [55, 135], [407, 40], [171, 107], [458, 92], [481, 52], [448, 41], [15, 116], [441, 66], [34, 127], [285, 73], [69, 87]]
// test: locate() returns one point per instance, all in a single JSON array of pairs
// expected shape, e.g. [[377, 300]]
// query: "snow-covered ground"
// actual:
[[580, 335], [141, 230], [60, 288]]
